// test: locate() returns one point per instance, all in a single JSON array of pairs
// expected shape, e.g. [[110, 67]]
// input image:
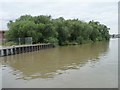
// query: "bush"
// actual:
[[10, 43], [80, 40], [52, 40]]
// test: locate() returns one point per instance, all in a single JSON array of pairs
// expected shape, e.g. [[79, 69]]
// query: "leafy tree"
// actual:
[[44, 29]]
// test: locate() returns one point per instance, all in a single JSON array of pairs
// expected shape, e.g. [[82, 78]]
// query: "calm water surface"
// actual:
[[84, 66]]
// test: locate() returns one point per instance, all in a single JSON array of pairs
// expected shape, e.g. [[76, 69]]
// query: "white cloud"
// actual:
[[105, 12]]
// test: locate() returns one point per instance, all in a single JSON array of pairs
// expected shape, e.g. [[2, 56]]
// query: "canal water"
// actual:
[[84, 66]]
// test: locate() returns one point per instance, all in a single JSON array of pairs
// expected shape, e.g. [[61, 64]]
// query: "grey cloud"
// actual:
[[105, 12]]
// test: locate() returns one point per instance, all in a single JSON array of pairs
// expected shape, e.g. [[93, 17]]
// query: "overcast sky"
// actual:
[[104, 11]]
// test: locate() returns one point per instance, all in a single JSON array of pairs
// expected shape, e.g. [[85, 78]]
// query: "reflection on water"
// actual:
[[51, 62]]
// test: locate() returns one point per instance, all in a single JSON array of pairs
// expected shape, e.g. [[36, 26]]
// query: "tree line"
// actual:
[[44, 29]]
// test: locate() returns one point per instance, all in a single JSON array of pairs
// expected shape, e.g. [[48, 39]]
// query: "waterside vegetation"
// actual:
[[59, 31]]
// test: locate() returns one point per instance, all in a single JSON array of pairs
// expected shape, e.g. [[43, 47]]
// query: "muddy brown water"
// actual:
[[84, 66]]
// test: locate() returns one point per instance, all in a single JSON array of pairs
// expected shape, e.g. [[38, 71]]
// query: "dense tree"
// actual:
[[44, 29]]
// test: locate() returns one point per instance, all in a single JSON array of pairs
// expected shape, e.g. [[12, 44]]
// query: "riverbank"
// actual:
[[83, 43], [12, 50]]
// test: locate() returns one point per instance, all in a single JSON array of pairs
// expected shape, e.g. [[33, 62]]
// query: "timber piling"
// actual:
[[12, 50]]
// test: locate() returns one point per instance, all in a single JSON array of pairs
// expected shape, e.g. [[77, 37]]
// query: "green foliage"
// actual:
[[11, 43], [44, 29], [52, 40], [80, 40]]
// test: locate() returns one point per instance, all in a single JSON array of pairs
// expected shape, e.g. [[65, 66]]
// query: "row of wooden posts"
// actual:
[[5, 51]]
